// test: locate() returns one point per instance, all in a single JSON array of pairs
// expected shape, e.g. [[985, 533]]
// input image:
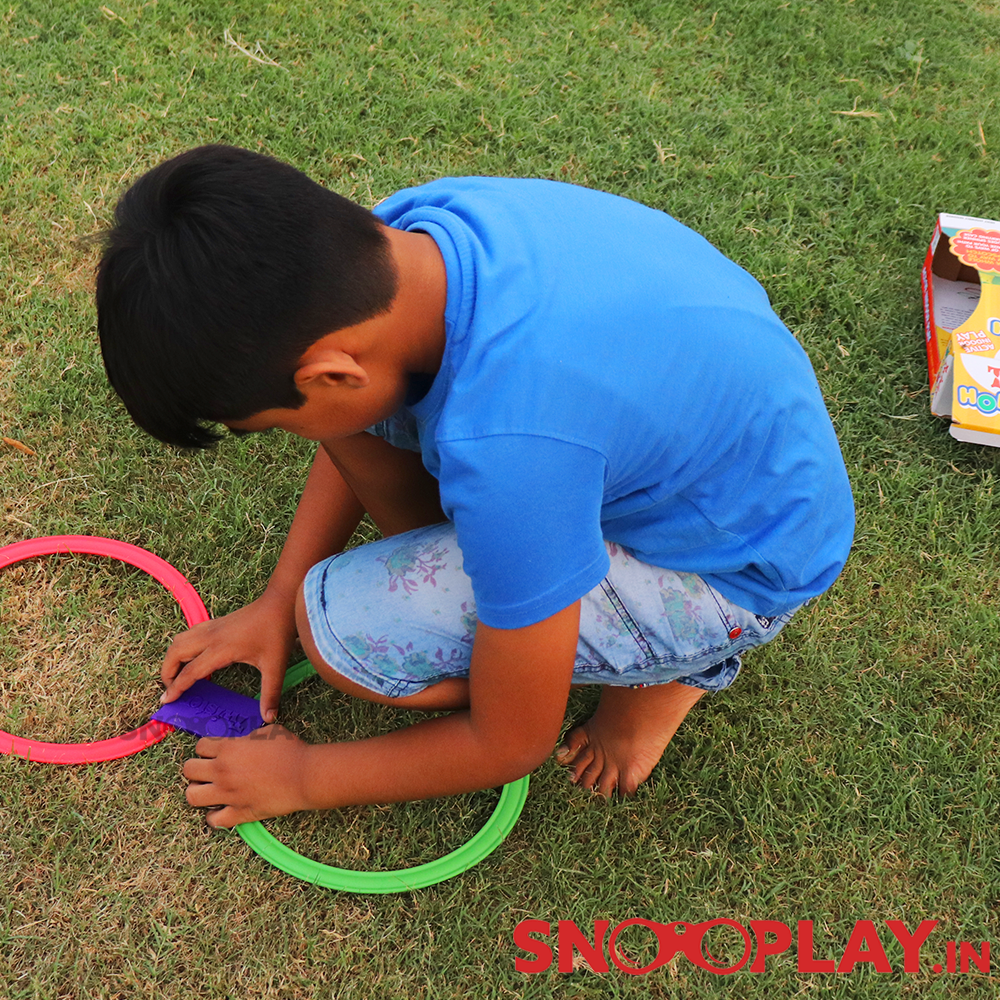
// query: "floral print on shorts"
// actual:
[[398, 615]]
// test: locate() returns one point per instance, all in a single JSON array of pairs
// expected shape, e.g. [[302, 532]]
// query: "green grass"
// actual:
[[850, 774]]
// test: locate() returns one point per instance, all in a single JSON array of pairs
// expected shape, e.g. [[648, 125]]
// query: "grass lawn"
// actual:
[[849, 775]]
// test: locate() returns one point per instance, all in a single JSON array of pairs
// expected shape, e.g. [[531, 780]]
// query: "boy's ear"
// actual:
[[331, 367]]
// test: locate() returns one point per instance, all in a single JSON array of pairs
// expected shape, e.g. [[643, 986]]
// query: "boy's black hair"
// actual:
[[222, 268]]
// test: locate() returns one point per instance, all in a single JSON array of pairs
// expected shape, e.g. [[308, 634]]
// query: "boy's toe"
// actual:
[[575, 741], [582, 766], [606, 780], [588, 772], [629, 782]]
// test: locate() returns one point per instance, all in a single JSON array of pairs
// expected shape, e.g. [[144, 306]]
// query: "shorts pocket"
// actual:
[[611, 640]]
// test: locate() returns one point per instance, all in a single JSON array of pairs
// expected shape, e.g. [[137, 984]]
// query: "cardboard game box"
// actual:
[[961, 290]]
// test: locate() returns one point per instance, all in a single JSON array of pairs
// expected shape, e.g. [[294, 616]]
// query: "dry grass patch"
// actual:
[[81, 640]]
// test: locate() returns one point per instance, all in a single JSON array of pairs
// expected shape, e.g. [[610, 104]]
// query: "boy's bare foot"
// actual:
[[620, 745]]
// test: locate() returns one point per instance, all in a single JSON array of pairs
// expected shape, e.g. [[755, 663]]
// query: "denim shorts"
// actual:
[[398, 615]]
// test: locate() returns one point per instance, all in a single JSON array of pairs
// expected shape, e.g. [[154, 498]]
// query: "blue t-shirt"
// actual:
[[608, 374]]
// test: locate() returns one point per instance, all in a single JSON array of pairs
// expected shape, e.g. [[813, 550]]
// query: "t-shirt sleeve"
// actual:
[[527, 512]]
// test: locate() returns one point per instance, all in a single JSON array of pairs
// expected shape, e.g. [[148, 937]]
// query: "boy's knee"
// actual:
[[309, 646], [446, 695], [329, 674], [302, 623]]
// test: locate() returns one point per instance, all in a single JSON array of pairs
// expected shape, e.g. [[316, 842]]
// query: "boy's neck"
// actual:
[[414, 335]]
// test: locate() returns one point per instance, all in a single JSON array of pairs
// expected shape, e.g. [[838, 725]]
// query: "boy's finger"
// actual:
[[206, 748], [202, 796], [197, 769], [228, 817], [196, 670], [270, 694], [184, 648]]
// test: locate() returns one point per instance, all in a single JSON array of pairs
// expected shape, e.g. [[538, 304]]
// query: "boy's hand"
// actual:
[[261, 634], [249, 777], [518, 685]]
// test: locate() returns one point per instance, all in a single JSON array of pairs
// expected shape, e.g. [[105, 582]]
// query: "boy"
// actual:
[[593, 451]]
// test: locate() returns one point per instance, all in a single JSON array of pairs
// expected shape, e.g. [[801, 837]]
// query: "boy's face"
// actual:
[[340, 401], [294, 421], [316, 420]]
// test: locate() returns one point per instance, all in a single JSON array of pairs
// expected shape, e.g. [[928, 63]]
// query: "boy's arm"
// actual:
[[518, 686], [263, 633]]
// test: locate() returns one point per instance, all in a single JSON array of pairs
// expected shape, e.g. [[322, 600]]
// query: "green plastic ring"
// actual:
[[483, 843]]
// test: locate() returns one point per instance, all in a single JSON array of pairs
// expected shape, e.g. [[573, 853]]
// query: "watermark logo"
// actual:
[[724, 946]]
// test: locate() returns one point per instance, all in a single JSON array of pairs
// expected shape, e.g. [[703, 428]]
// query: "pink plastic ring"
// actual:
[[159, 569]]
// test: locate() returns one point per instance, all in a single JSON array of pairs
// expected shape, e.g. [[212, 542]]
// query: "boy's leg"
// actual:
[[391, 483], [658, 640], [399, 495], [394, 622], [446, 695]]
